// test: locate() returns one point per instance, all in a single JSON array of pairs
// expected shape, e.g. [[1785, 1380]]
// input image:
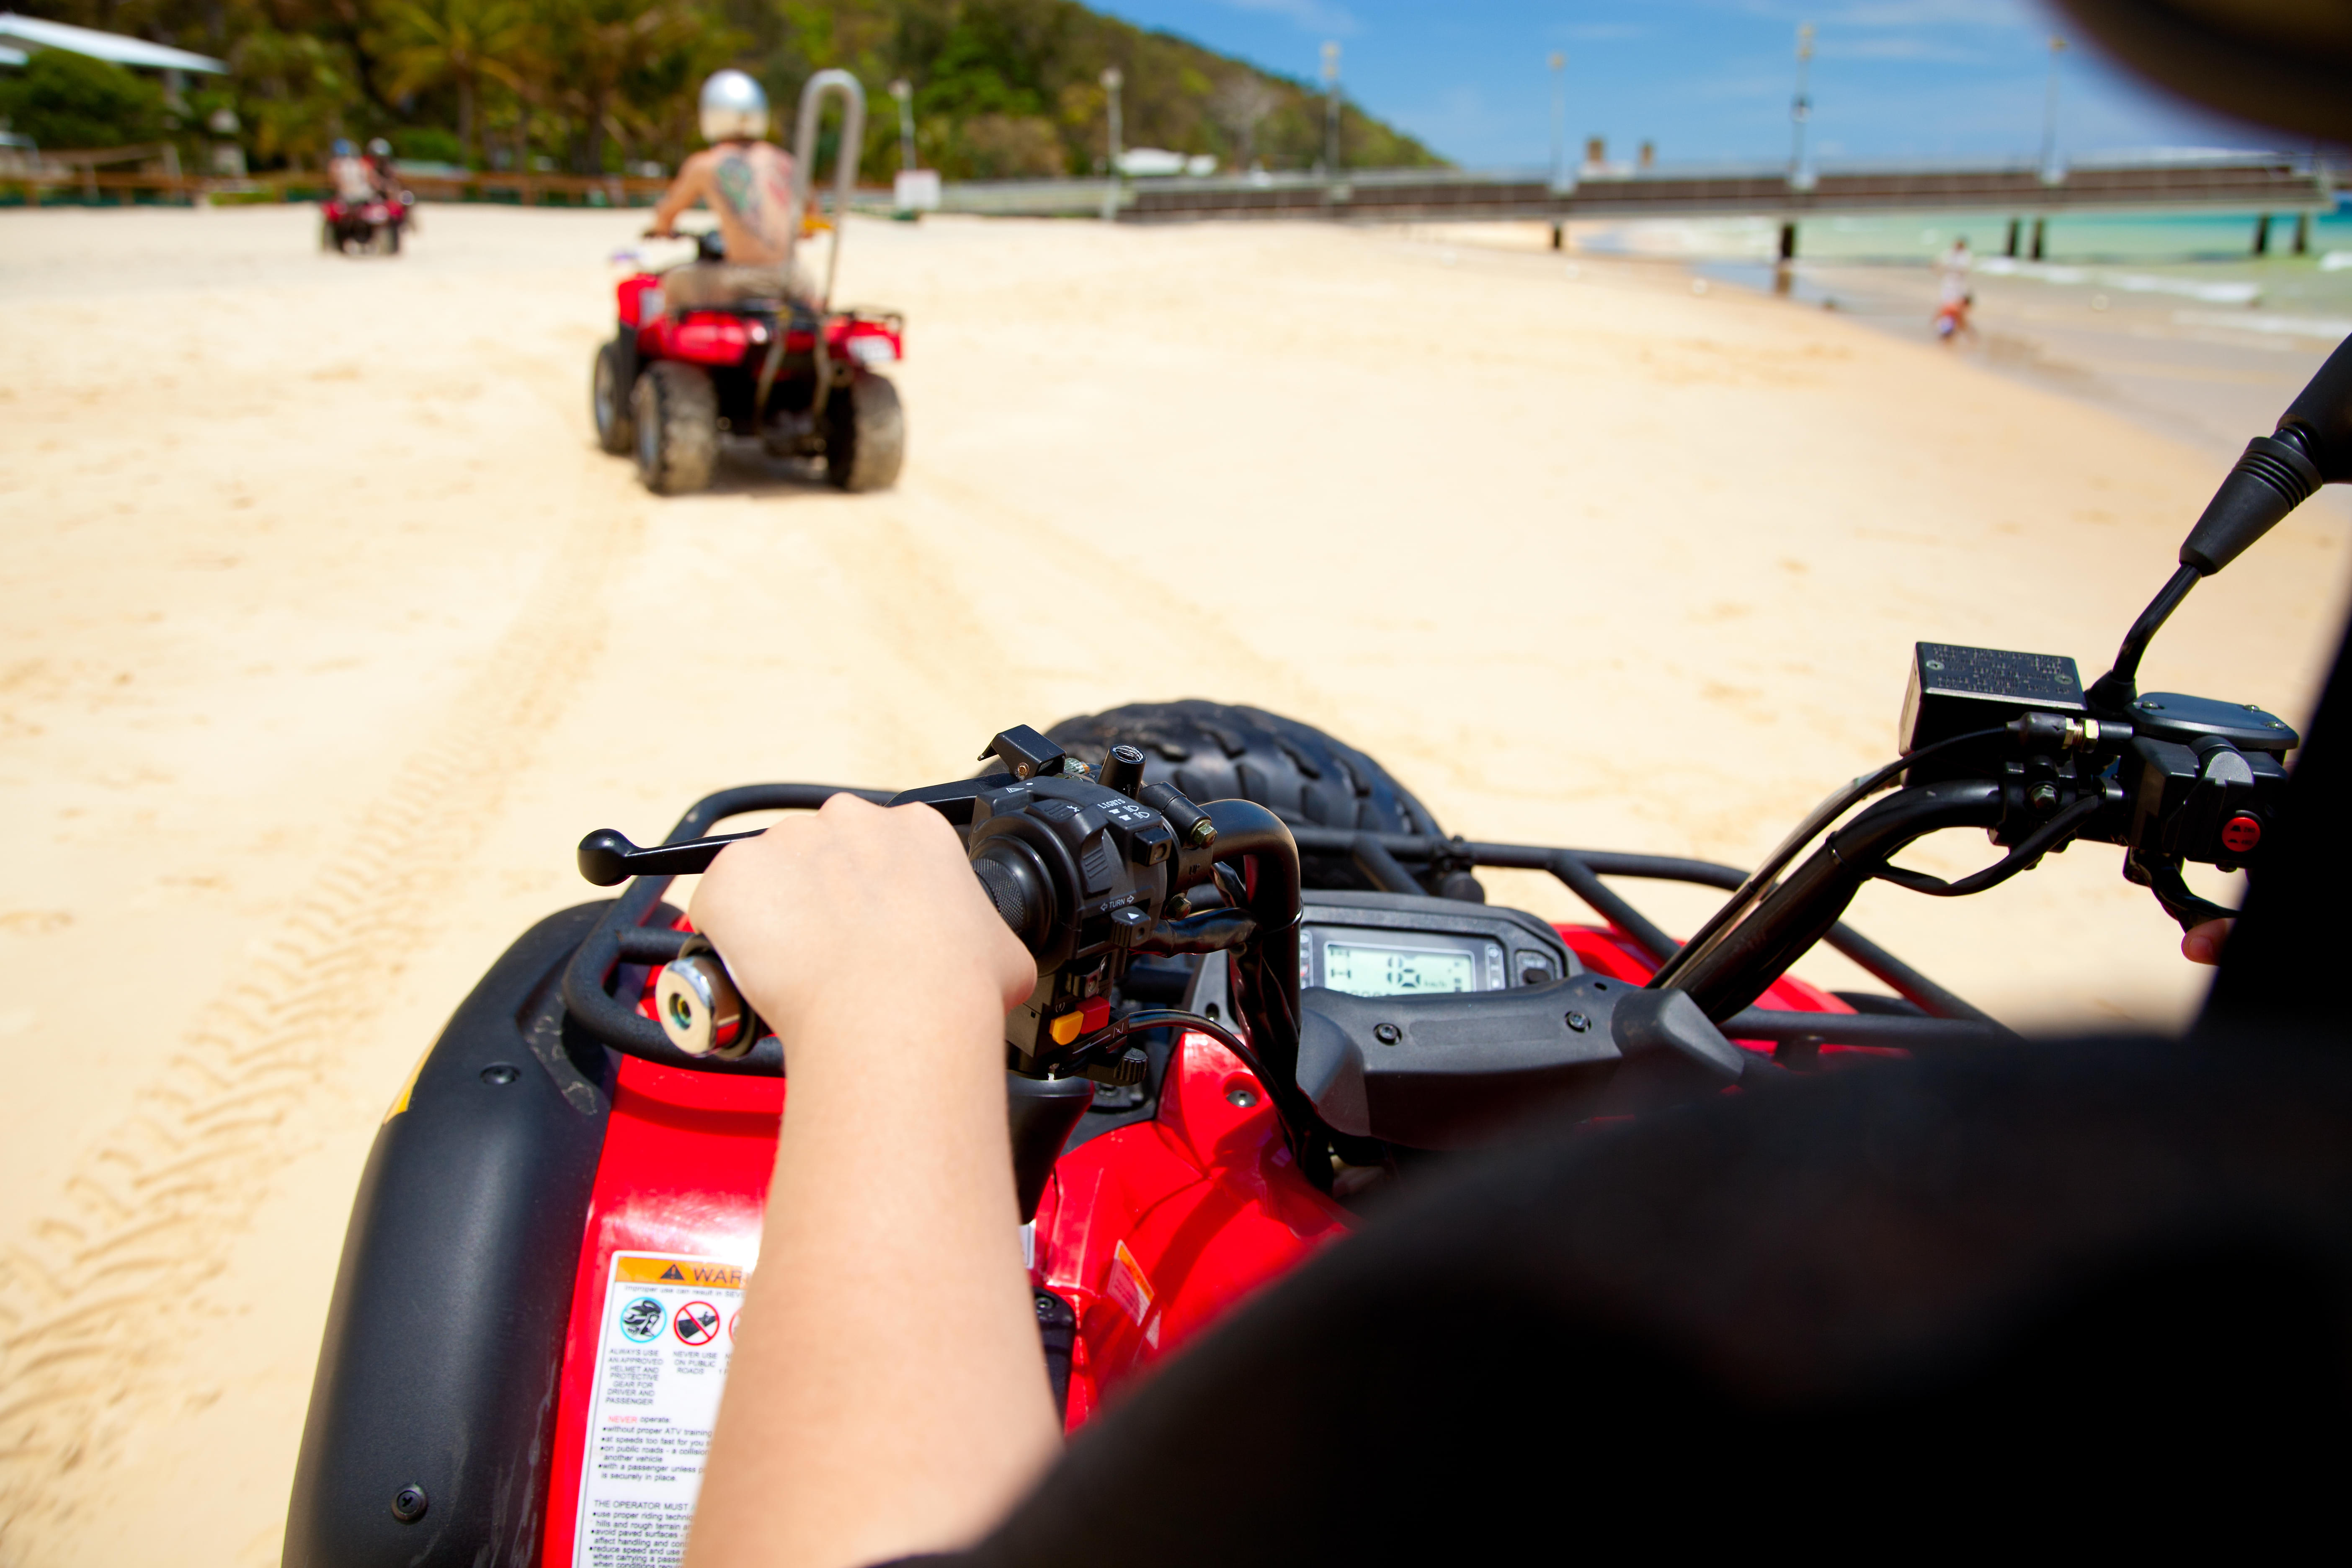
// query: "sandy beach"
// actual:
[[330, 632]]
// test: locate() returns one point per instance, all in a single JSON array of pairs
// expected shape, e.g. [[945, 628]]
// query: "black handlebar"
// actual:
[[1744, 961], [1087, 875]]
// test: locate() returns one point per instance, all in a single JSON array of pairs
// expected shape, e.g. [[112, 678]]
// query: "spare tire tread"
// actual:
[[1218, 751]]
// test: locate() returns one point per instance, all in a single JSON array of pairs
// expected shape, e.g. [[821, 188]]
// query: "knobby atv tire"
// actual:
[[866, 435], [1213, 751], [675, 411], [609, 400]]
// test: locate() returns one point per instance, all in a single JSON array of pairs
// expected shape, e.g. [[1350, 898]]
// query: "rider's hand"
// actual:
[[2203, 945], [831, 921]]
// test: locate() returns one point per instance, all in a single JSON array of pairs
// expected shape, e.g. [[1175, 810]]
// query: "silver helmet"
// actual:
[[733, 107]]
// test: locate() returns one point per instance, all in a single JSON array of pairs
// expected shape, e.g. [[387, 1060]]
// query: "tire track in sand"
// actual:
[[88, 1337]]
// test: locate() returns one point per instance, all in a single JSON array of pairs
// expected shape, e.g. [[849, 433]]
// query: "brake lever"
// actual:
[[607, 858], [2163, 879]]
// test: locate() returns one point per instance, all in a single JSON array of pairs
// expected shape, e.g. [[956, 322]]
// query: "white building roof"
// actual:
[[19, 33]]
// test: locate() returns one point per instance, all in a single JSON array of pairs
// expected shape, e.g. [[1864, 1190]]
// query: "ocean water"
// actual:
[[2084, 238], [2195, 261], [1899, 237]]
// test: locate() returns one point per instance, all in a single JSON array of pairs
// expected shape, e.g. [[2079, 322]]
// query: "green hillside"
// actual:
[[1002, 88]]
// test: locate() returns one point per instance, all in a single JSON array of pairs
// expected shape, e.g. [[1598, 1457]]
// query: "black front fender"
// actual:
[[436, 1381]]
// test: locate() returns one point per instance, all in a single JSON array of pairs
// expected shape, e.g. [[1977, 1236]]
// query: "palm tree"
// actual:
[[602, 56], [461, 42]]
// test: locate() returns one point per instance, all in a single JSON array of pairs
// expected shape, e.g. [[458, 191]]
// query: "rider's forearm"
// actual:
[[893, 1398], [675, 201]]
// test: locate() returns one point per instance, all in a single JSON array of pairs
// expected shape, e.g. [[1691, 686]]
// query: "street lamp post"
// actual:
[[1558, 63], [2050, 173], [904, 92], [1111, 81], [1800, 109], [1331, 107]]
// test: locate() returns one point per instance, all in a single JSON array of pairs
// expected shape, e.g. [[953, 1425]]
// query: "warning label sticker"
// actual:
[[1124, 1282], [661, 1360]]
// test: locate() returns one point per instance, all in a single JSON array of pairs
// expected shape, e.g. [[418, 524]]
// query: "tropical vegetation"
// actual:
[[69, 101], [999, 88]]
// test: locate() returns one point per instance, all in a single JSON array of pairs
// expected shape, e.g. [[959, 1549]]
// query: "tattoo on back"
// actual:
[[740, 188]]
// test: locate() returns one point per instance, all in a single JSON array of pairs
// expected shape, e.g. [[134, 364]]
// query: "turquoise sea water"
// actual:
[[2195, 260], [2084, 238], [2087, 238]]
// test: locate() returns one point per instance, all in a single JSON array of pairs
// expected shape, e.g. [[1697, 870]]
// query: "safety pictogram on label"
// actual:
[[661, 1362], [697, 1323], [641, 1320]]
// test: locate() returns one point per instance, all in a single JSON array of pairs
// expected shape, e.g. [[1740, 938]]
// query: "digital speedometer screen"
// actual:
[[1397, 970]]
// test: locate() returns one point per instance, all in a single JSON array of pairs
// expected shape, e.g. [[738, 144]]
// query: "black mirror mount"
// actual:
[[2312, 447]]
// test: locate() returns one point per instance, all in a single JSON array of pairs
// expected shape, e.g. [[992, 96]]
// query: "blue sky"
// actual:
[[1705, 79]]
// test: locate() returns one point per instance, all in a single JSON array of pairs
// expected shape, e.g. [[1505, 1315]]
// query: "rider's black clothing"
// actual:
[[1948, 1295]]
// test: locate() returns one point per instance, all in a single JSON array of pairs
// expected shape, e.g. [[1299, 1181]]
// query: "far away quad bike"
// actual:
[[368, 228], [1268, 991], [799, 379]]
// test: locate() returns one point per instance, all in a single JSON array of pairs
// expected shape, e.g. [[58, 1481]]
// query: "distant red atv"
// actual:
[[799, 379], [363, 228]]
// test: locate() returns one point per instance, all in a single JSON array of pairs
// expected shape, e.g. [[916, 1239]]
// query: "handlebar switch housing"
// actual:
[[1082, 873], [2210, 776], [2189, 805]]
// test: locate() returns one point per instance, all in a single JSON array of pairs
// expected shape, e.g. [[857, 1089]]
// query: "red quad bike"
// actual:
[[800, 380], [1268, 982], [370, 228]]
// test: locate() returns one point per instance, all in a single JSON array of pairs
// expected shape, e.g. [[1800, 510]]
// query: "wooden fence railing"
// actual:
[[36, 186]]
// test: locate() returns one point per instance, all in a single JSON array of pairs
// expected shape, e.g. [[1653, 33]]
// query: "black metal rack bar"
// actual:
[[1580, 871]]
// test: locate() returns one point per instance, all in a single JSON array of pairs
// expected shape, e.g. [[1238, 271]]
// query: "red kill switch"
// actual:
[[2241, 834]]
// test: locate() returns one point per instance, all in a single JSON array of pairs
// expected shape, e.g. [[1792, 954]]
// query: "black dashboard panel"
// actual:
[[1393, 944]]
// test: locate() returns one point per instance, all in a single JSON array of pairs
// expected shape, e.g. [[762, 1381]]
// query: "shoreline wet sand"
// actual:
[[332, 632], [2206, 352], [2208, 355]]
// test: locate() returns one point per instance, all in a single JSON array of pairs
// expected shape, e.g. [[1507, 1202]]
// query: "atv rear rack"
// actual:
[[1381, 857]]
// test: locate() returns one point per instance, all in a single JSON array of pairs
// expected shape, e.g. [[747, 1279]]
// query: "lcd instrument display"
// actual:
[[1361, 970]]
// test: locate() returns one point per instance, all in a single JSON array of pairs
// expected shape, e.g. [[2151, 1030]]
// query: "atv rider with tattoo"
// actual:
[[748, 183]]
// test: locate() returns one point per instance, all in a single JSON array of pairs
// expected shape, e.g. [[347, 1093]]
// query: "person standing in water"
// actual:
[[747, 182], [1952, 297]]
